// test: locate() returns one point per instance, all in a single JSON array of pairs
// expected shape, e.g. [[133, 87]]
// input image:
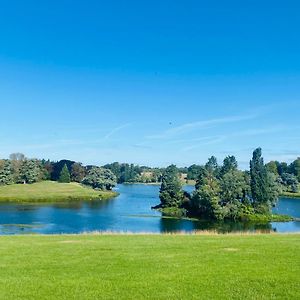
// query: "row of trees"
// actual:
[[19, 169], [222, 192]]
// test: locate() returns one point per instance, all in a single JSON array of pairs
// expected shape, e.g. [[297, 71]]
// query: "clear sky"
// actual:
[[150, 82]]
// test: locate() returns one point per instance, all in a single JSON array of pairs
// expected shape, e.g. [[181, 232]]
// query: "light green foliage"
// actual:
[[64, 176], [206, 199], [272, 167], [29, 171], [6, 175], [171, 194], [100, 178], [121, 267]]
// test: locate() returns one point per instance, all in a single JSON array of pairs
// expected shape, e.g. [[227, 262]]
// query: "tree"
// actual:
[[233, 187], [58, 166], [206, 200], [272, 167], [17, 160], [193, 172], [212, 165], [229, 164], [100, 178], [6, 176], [295, 168], [77, 172], [64, 176], [171, 194], [290, 182], [29, 171], [263, 184]]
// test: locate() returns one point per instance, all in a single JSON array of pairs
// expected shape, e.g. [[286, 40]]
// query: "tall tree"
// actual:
[[263, 186], [171, 194], [64, 176]]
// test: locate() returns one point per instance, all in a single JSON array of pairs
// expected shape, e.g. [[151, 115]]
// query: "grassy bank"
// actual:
[[291, 195], [150, 267], [50, 191]]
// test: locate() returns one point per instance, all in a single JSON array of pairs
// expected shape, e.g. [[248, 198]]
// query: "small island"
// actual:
[[224, 193]]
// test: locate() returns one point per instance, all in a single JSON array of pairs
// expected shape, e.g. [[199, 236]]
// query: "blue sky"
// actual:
[[150, 82]]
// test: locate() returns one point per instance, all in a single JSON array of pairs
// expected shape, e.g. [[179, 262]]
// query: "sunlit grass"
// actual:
[[50, 191], [150, 267]]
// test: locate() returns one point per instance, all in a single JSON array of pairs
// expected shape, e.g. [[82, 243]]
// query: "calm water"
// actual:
[[131, 211]]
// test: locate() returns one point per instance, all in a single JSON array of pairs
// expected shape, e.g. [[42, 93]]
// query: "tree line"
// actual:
[[20, 169], [227, 193]]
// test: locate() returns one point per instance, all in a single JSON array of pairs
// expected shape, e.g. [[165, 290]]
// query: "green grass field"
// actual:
[[150, 267], [50, 191]]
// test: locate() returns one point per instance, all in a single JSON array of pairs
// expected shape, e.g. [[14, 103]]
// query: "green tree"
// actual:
[[17, 160], [78, 172], [6, 175], [295, 168], [193, 172], [64, 176], [234, 187], [272, 167], [263, 184], [171, 194], [229, 164], [206, 200], [29, 171], [100, 178]]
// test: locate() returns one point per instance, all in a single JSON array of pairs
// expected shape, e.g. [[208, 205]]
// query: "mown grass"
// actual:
[[150, 267], [50, 191]]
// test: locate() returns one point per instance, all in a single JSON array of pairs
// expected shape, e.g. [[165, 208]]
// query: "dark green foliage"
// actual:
[[193, 172], [229, 164], [295, 168], [290, 182], [57, 167], [78, 172], [64, 176], [171, 194], [100, 178], [263, 184], [30, 171]]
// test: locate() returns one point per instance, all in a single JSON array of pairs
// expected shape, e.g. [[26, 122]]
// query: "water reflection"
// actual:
[[130, 211]]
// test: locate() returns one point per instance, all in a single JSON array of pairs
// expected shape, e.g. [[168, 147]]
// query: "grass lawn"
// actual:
[[150, 267], [50, 191]]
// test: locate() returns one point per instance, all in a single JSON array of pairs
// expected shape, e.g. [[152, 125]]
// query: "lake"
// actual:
[[130, 211]]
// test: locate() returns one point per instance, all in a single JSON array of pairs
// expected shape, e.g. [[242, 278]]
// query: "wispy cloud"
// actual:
[[188, 127], [115, 130], [243, 133]]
